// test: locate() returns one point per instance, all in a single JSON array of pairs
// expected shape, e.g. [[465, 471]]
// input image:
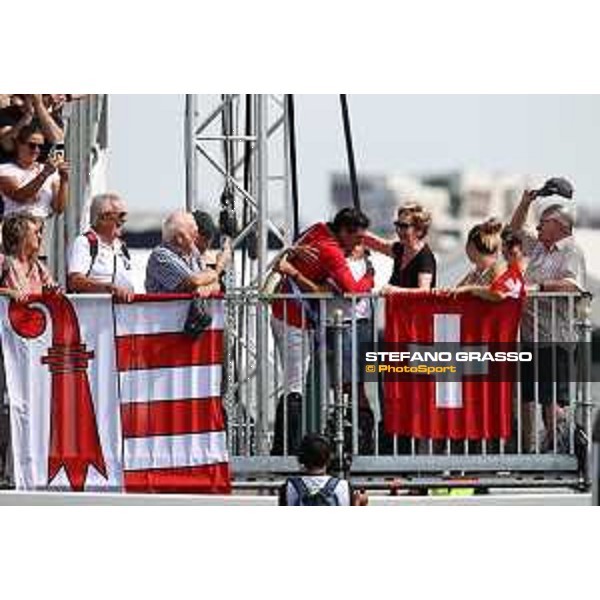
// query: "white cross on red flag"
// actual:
[[472, 406]]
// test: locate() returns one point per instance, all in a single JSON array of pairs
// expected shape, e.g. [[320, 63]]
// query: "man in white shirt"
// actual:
[[99, 261], [555, 264]]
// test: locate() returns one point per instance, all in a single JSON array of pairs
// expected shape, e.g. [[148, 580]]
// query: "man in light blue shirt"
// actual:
[[176, 265]]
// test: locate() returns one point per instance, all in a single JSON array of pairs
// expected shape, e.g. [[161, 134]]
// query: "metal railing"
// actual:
[[310, 382]]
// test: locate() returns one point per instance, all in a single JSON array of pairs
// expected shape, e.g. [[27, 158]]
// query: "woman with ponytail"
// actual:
[[488, 278]]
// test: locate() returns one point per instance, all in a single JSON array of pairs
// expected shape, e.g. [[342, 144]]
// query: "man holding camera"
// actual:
[[176, 265], [555, 264]]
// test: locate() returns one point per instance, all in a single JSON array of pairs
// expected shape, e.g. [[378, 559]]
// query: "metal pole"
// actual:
[[262, 213], [596, 462], [290, 142], [287, 186], [586, 406], [350, 151], [191, 158], [339, 405]]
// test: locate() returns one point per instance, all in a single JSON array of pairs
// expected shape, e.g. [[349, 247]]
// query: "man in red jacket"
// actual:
[[322, 263]]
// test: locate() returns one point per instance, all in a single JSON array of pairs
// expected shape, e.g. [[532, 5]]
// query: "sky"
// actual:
[[545, 135]]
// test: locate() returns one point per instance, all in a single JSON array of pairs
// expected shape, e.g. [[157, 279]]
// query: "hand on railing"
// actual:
[[387, 290], [461, 290], [205, 291], [360, 498], [121, 294]]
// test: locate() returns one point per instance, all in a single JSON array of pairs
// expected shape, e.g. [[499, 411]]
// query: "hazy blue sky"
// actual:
[[543, 135]]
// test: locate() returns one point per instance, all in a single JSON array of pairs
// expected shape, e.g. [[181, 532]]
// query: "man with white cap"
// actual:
[[555, 264]]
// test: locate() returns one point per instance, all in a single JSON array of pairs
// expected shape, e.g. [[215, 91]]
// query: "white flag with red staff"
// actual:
[[59, 360]]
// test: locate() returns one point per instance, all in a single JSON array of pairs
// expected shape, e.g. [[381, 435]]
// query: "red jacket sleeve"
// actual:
[[340, 274]]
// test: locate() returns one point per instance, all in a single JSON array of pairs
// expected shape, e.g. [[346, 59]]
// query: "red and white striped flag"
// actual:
[[170, 387], [111, 397]]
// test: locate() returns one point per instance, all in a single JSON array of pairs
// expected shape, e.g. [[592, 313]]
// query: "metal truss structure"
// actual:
[[236, 149]]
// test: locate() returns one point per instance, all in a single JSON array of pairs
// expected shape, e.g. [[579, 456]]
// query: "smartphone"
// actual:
[[58, 151]]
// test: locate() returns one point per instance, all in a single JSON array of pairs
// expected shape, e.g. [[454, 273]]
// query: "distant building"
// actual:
[[475, 196], [456, 199], [381, 195]]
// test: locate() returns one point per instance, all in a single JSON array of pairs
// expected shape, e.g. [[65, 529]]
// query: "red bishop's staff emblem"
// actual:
[[74, 439]]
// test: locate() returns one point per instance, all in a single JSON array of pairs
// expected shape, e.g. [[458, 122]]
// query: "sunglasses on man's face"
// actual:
[[402, 225], [116, 216], [34, 146]]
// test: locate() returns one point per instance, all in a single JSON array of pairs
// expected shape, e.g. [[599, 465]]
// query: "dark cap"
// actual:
[[556, 186]]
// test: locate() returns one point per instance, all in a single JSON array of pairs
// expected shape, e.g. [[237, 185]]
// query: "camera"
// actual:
[[57, 151], [198, 318]]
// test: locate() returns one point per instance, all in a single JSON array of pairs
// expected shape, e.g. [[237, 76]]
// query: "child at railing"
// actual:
[[314, 487]]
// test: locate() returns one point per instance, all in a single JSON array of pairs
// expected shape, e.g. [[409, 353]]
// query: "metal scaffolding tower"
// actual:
[[237, 159], [238, 144]]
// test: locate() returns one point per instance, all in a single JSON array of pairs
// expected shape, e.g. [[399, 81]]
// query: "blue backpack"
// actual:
[[325, 496]]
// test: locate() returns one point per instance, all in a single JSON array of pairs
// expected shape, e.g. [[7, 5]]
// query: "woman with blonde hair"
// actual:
[[21, 272], [414, 271], [490, 279], [414, 262]]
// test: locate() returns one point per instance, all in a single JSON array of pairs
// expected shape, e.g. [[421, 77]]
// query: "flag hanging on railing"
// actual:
[[170, 387], [114, 397], [475, 405]]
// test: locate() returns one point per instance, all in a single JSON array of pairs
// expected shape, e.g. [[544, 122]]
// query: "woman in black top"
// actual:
[[414, 262]]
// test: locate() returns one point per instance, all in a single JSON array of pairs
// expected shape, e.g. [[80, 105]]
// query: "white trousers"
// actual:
[[293, 346]]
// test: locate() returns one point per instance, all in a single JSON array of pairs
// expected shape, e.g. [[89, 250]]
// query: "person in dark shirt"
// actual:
[[414, 262], [414, 271]]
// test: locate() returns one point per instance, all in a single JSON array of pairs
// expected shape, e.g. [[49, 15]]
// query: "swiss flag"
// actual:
[[474, 406]]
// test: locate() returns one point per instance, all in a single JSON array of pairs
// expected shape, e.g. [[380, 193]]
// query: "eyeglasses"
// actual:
[[117, 216], [544, 221], [402, 225], [34, 146]]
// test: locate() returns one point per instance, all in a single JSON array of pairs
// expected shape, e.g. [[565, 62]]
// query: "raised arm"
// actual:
[[25, 193], [342, 278], [60, 189], [378, 244], [9, 133], [52, 131], [519, 217]]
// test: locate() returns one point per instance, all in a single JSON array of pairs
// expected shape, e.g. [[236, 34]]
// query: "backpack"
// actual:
[[325, 496], [92, 239]]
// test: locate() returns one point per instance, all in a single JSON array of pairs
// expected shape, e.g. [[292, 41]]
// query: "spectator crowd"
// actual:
[[335, 256]]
